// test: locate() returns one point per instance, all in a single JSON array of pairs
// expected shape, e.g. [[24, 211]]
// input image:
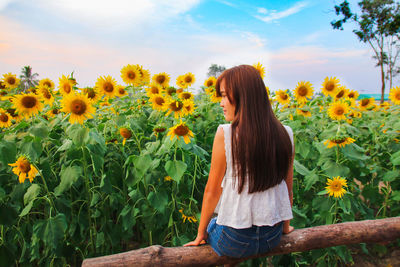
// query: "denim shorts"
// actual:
[[241, 243]]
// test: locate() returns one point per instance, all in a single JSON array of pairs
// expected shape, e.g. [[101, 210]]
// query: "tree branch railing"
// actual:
[[368, 231]]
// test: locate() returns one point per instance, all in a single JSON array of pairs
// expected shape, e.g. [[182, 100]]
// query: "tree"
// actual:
[[215, 70], [379, 26], [28, 79]]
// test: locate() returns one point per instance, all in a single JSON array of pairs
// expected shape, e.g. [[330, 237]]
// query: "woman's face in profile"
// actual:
[[228, 107]]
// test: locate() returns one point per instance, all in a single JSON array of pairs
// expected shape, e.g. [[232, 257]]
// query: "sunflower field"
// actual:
[[95, 171]]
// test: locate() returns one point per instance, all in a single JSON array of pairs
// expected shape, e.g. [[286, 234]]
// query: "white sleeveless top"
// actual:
[[244, 210]]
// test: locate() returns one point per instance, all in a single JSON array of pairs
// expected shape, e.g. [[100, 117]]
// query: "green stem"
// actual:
[[89, 197], [194, 182], [47, 189]]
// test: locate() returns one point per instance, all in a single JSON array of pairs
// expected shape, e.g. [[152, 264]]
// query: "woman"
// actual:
[[251, 175]]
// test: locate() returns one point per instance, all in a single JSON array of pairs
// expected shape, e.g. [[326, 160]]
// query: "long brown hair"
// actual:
[[261, 147]]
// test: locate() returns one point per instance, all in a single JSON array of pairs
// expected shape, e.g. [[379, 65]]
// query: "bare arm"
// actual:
[[213, 188], [289, 182]]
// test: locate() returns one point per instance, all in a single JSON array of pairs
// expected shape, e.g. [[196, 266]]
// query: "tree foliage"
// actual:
[[28, 79], [215, 70], [379, 26]]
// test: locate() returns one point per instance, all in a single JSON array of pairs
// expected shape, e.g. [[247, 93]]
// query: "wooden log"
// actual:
[[368, 231]]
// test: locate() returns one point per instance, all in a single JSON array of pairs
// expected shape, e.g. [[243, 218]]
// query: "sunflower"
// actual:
[[5, 119], [145, 76], [186, 80], [261, 70], [120, 91], [282, 97], [154, 89], [125, 133], [305, 113], [335, 186], [46, 95], [107, 86], [188, 218], [65, 86], [180, 130], [24, 169], [27, 104], [10, 80], [161, 79], [46, 82], [167, 178], [341, 93], [215, 98], [303, 91], [2, 85], [158, 102], [394, 95], [339, 141], [366, 103], [355, 114], [52, 112], [210, 81], [159, 129], [330, 86], [188, 106], [130, 75], [14, 115], [79, 106], [352, 94], [175, 106], [338, 110], [186, 95], [92, 93], [170, 90]]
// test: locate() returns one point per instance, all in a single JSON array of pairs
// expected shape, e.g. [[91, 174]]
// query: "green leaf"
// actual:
[[67, 144], [40, 130], [78, 133], [175, 169], [310, 179], [300, 168], [31, 147], [51, 231], [158, 200], [333, 169], [8, 215], [128, 214], [99, 239], [69, 176], [352, 151], [8, 152], [395, 158], [141, 164], [390, 176], [396, 195], [32, 192], [303, 149], [27, 209]]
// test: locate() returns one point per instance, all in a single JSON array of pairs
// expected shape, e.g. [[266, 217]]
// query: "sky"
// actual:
[[293, 39]]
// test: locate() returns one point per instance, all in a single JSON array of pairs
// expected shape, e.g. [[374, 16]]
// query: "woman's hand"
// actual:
[[200, 239], [288, 229]]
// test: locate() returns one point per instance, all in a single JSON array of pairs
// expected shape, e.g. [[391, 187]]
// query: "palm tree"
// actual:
[[28, 79]]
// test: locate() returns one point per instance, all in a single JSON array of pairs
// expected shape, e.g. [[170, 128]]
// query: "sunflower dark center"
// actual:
[[364, 102], [3, 93], [340, 94], [108, 87], [29, 101], [91, 94], [351, 95], [78, 107], [25, 166], [336, 186], [284, 96], [171, 90], [3, 117], [210, 83], [159, 129], [55, 111], [67, 88], [11, 111], [188, 79], [186, 95], [131, 75], [397, 95], [11, 80], [330, 86], [181, 130], [154, 90], [159, 100], [339, 140], [48, 84], [161, 79], [46, 94], [339, 111], [125, 133], [302, 91], [2, 85], [176, 106], [121, 91]]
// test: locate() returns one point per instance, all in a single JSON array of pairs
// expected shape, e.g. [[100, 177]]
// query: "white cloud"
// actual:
[[227, 3], [117, 13], [262, 10], [274, 16], [4, 3]]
